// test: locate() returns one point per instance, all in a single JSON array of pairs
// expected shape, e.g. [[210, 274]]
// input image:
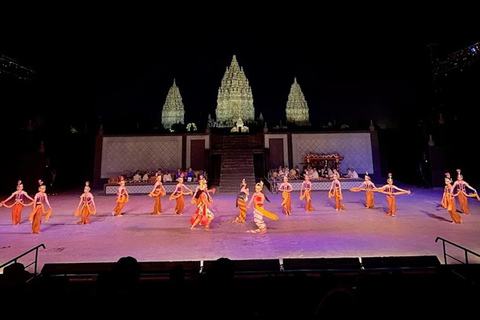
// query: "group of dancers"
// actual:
[[202, 199]]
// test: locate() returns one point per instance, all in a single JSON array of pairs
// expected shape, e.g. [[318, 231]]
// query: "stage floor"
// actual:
[[323, 233]]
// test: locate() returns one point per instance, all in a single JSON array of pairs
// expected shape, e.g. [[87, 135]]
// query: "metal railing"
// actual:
[[34, 263], [466, 251]]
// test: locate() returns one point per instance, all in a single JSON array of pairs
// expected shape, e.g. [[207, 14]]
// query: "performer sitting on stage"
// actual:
[[18, 204]]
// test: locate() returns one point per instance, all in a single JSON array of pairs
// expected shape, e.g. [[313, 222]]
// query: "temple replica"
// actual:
[[297, 107], [228, 150], [173, 110]]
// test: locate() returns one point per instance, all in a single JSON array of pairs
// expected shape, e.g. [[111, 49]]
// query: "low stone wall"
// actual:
[[317, 185], [144, 187]]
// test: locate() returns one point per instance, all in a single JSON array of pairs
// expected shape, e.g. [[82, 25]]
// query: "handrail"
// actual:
[[35, 262], [445, 255]]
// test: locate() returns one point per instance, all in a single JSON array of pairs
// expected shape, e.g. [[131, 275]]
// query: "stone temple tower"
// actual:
[[234, 100], [297, 109], [173, 110]]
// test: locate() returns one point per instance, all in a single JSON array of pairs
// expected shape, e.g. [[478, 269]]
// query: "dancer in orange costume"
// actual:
[[122, 198], [178, 195], [306, 193], [39, 202], [286, 188], [336, 191], [391, 191], [368, 186], [86, 207], [259, 211], [448, 200], [202, 215], [242, 199], [460, 189], [18, 204], [157, 192]]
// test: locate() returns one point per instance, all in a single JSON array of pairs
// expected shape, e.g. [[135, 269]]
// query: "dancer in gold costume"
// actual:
[[86, 207], [368, 186], [157, 193], [17, 206], [241, 202], [390, 190], [39, 202], [122, 198], [306, 193]]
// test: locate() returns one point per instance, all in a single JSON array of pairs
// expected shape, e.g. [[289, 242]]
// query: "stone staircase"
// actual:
[[236, 164]]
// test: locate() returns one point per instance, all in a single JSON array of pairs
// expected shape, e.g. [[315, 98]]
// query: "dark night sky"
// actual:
[[115, 65], [352, 65]]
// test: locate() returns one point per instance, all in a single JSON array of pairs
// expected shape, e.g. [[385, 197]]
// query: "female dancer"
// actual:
[[448, 200], [122, 198], [368, 186], [39, 202], [157, 192], [391, 191], [460, 189], [286, 188], [242, 199], [306, 193], [86, 207], [18, 204], [259, 212], [177, 194], [202, 215], [336, 191]]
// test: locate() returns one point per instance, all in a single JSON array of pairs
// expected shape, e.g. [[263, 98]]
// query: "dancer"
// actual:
[[202, 215], [86, 207], [448, 200], [157, 193], [368, 186], [242, 199], [306, 193], [18, 204], [286, 188], [178, 195], [259, 211], [39, 202], [460, 189], [336, 191], [122, 198], [390, 190]]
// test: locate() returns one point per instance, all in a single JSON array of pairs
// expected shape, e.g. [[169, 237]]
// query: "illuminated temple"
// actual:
[[235, 103]]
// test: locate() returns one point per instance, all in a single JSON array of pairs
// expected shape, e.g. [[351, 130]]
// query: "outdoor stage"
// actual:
[[356, 232]]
